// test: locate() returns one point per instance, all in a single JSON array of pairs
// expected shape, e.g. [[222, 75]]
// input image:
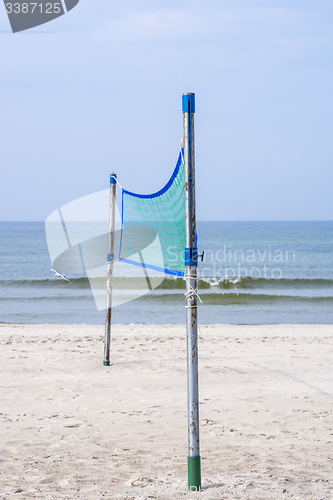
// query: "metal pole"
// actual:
[[110, 260], [191, 262]]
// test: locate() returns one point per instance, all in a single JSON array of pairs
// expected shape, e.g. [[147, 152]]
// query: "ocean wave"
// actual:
[[239, 298], [48, 298], [245, 282], [47, 283]]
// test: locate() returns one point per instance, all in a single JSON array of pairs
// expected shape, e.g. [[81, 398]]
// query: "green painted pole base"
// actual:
[[194, 473], [106, 363]]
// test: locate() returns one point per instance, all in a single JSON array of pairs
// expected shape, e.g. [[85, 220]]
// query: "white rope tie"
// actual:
[[193, 292], [121, 187], [109, 279]]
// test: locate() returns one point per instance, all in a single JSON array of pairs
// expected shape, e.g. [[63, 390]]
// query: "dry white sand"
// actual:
[[71, 428]]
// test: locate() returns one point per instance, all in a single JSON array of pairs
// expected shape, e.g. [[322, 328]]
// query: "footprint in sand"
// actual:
[[141, 482]]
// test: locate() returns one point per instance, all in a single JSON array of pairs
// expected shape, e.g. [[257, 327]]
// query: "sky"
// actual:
[[98, 90]]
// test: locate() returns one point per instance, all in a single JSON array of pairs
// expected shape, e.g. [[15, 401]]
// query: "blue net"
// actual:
[[153, 226]]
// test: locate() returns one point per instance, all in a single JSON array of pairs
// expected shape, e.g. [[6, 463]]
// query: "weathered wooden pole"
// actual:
[[191, 262], [110, 261]]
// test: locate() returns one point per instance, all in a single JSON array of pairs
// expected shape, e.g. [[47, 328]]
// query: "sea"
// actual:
[[252, 273]]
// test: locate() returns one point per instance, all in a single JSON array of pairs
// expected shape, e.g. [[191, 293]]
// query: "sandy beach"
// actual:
[[71, 428]]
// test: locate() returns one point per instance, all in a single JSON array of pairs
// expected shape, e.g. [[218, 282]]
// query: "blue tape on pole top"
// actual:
[[191, 256], [110, 257], [188, 99], [113, 179]]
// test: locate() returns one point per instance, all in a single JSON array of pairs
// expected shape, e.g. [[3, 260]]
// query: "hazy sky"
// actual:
[[99, 90]]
